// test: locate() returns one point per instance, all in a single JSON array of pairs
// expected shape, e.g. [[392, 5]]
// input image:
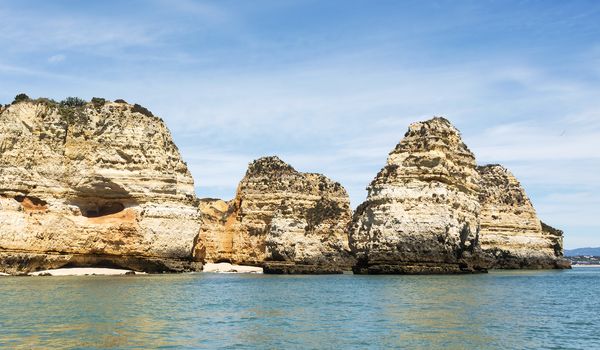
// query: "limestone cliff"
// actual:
[[285, 220], [97, 183], [421, 212], [511, 234]]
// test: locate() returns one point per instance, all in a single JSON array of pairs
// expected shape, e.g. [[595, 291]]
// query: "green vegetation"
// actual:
[[98, 102], [71, 109], [48, 102], [21, 98], [73, 102], [142, 110]]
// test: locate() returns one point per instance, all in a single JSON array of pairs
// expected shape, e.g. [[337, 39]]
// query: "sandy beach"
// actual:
[[85, 271], [230, 268], [96, 271]]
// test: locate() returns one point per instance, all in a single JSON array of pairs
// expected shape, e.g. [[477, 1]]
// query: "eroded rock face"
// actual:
[[421, 212], [282, 219], [511, 234], [215, 240], [98, 184]]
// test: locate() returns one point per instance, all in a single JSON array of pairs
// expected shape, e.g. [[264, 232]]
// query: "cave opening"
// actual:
[[34, 200], [102, 210], [30, 203], [96, 262]]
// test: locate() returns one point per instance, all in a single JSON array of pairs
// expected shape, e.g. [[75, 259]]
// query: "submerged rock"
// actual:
[[421, 212], [92, 184], [512, 236], [282, 219]]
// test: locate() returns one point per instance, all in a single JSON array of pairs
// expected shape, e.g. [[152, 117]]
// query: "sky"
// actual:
[[331, 86]]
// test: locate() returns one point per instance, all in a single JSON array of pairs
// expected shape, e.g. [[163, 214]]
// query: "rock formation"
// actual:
[[431, 210], [282, 219], [89, 184], [421, 212], [102, 184], [511, 234]]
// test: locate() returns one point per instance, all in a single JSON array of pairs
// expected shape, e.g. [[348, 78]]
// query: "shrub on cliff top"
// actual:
[[73, 102], [21, 98], [71, 109], [98, 102], [48, 102], [120, 100], [142, 110]]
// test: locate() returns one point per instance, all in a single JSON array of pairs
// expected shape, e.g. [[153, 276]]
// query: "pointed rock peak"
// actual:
[[431, 150], [432, 143], [435, 134], [432, 126], [267, 165]]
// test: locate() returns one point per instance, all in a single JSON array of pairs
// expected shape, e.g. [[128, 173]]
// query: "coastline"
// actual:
[[225, 268]]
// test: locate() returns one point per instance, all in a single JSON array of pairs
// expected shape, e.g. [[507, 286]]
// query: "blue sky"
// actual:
[[331, 86]]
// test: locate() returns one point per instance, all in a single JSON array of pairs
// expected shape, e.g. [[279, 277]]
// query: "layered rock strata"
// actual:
[[281, 219], [94, 184], [511, 235], [422, 210]]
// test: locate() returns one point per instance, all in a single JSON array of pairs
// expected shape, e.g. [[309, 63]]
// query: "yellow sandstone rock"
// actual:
[[282, 219], [431, 210], [93, 184], [511, 234]]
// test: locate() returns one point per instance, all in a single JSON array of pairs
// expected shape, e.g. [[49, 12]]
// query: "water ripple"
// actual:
[[516, 310]]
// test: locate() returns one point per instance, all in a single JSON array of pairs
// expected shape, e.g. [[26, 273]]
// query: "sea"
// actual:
[[498, 310]]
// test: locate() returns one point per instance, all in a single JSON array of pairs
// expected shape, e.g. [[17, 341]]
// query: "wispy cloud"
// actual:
[[11, 70], [331, 87], [65, 33], [57, 58]]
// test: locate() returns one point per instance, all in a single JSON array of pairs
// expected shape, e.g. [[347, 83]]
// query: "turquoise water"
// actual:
[[500, 310]]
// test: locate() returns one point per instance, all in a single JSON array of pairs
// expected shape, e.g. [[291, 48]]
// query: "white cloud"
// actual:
[[56, 58]]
